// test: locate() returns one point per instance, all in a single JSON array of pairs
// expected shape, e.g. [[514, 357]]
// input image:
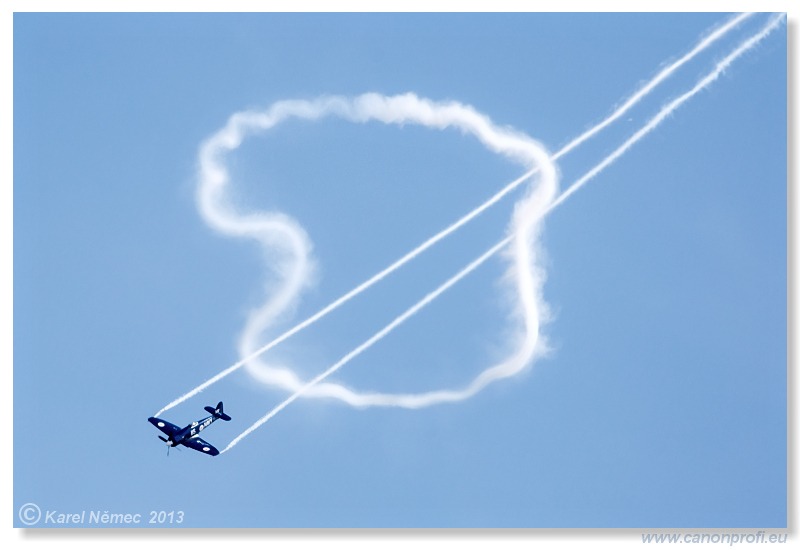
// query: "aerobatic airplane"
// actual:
[[188, 436]]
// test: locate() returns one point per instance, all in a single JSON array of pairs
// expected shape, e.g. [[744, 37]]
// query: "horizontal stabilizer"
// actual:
[[218, 413]]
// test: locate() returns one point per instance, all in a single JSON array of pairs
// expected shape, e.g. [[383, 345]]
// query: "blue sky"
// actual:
[[662, 403]]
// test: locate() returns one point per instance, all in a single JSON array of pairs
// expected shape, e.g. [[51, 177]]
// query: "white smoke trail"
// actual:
[[703, 83], [232, 135], [510, 366], [656, 80]]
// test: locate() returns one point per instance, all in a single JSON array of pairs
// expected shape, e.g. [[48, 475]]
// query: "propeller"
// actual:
[[165, 440]]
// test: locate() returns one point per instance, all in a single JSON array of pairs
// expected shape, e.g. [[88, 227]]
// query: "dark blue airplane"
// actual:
[[188, 436]]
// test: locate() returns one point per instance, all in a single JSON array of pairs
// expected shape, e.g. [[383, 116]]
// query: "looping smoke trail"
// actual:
[[502, 370], [289, 248], [230, 139]]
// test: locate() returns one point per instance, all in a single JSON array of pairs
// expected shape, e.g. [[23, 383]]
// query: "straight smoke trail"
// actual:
[[410, 400], [301, 243], [502, 370], [703, 83], [655, 81]]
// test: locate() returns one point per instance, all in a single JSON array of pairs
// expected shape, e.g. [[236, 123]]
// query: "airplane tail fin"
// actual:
[[218, 413]]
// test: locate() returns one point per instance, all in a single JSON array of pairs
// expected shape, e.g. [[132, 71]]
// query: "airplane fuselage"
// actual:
[[191, 430]]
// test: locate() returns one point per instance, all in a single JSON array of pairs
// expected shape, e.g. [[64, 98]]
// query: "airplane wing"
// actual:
[[199, 445], [164, 426]]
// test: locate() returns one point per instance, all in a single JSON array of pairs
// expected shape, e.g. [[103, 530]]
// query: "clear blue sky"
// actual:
[[663, 403]]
